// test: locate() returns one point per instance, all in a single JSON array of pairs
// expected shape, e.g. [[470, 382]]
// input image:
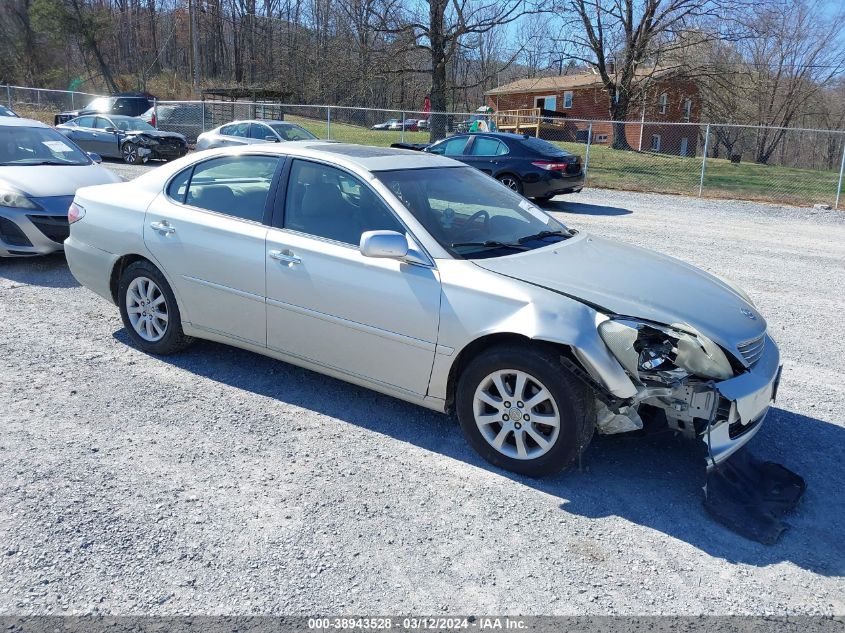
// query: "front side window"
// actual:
[[234, 185], [483, 146], [38, 146], [101, 123], [292, 132], [450, 147], [130, 124], [85, 121], [470, 214], [330, 203]]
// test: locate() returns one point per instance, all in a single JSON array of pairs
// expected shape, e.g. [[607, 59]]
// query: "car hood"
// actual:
[[43, 181], [621, 279]]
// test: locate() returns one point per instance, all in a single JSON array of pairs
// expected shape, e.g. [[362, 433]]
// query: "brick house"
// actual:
[[563, 106]]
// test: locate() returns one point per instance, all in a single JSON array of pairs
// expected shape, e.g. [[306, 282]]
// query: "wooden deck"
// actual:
[[527, 121]]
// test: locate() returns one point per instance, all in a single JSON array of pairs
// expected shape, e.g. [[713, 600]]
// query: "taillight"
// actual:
[[153, 121], [75, 213], [571, 165]]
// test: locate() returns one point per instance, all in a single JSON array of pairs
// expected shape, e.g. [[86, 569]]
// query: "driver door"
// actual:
[[371, 318]]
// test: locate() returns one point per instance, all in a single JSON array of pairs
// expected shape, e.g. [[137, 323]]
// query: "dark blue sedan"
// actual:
[[530, 166]]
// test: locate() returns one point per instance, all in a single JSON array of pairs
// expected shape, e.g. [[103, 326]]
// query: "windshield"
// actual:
[[470, 214], [292, 132], [99, 104], [38, 146], [131, 124]]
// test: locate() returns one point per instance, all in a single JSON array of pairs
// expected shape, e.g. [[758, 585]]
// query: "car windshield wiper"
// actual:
[[492, 244], [544, 234]]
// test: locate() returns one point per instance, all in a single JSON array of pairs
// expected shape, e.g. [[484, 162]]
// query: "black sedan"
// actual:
[[126, 137], [530, 166]]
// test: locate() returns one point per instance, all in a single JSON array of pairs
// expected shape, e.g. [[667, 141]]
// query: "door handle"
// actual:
[[162, 227], [285, 256]]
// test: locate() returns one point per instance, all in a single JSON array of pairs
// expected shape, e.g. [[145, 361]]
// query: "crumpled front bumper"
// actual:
[[749, 397]]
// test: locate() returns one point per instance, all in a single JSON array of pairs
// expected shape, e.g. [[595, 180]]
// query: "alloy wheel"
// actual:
[[516, 414], [146, 306], [510, 183], [130, 153]]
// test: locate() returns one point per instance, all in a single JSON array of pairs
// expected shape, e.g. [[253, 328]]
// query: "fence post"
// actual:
[[328, 123], [72, 104], [9, 96], [38, 98], [841, 169], [587, 153], [402, 134], [155, 111], [203, 115], [704, 160]]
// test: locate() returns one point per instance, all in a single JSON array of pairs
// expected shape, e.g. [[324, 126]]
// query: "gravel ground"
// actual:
[[222, 482]]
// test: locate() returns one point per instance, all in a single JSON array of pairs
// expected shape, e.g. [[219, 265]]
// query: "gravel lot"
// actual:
[[221, 482]]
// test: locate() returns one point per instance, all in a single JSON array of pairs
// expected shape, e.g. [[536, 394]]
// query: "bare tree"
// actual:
[[628, 41]]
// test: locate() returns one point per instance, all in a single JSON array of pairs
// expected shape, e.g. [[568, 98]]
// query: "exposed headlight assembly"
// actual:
[[15, 199], [654, 352]]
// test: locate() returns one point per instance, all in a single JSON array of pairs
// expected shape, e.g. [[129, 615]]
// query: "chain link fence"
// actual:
[[782, 165]]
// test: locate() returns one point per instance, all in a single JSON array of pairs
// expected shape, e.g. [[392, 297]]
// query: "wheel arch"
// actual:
[[124, 261], [487, 341]]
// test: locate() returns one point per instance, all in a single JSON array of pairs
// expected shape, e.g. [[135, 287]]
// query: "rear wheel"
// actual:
[[511, 182], [149, 311], [523, 411]]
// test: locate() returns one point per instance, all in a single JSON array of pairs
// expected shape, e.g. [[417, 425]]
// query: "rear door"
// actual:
[[83, 133], [484, 153], [208, 234]]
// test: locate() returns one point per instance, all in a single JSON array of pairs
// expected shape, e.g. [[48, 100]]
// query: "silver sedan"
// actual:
[[422, 278], [251, 132]]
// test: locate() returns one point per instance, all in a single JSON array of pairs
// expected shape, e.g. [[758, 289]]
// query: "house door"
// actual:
[[684, 146]]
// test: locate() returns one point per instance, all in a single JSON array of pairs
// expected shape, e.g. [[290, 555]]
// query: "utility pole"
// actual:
[[195, 50]]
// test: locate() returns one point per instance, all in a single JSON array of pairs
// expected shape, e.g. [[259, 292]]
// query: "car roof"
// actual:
[[365, 156], [20, 122]]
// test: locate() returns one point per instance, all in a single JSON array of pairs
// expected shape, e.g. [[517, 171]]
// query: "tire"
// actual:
[[568, 398], [130, 154], [144, 324], [511, 182]]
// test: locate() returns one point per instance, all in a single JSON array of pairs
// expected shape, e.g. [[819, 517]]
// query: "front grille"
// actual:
[[752, 350], [55, 227], [11, 234]]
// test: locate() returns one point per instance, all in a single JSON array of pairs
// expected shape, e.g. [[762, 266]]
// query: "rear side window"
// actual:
[[483, 146], [542, 147], [235, 185], [179, 185], [259, 131], [450, 147]]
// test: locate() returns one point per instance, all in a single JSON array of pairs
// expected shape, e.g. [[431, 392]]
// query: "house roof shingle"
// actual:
[[560, 82]]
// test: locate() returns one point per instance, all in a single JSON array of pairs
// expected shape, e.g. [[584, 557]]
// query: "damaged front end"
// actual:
[[687, 380]]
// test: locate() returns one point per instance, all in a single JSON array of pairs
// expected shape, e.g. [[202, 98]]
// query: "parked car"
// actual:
[[423, 124], [123, 105], [249, 132], [187, 119], [530, 166], [40, 171], [419, 277], [124, 137], [390, 124], [4, 111]]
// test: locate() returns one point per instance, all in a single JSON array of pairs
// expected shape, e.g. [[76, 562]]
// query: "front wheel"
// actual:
[[149, 311], [523, 411], [130, 154]]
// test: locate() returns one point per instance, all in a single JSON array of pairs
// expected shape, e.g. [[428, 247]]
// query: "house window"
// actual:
[[663, 103], [687, 109], [601, 138], [567, 99], [655, 142]]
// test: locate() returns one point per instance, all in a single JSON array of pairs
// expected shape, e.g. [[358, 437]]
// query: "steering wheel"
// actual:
[[467, 227]]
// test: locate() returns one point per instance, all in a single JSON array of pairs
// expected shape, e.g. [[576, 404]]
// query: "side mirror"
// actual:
[[385, 244], [111, 129], [272, 139], [95, 157]]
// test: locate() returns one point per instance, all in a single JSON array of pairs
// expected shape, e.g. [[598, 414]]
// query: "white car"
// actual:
[[40, 171], [251, 132], [420, 277]]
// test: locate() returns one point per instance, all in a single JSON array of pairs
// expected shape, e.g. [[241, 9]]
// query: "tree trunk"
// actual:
[[619, 115], [438, 69]]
